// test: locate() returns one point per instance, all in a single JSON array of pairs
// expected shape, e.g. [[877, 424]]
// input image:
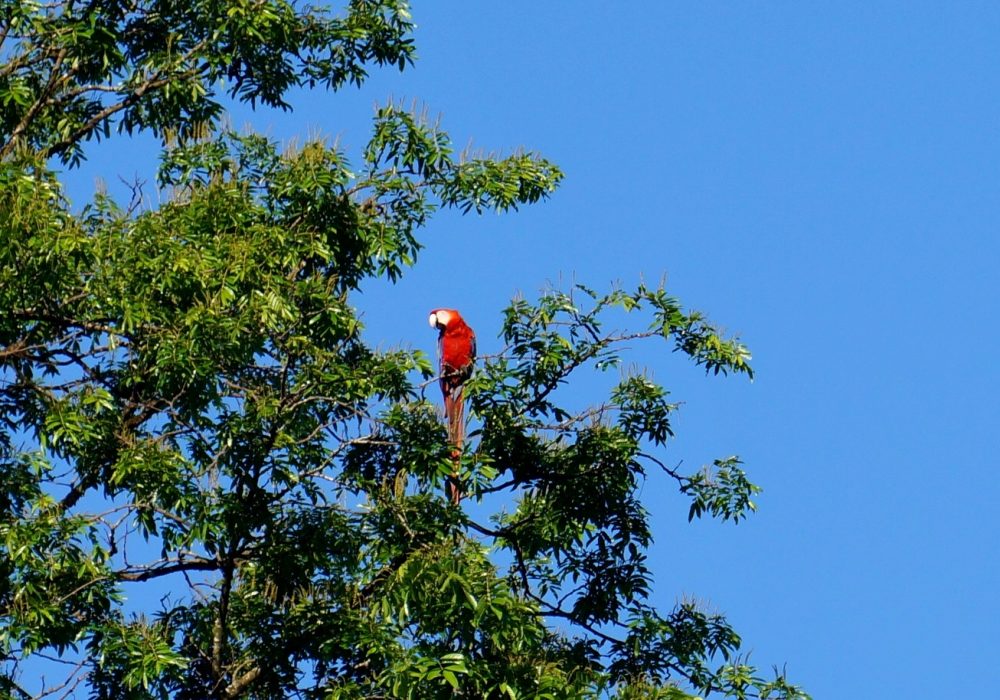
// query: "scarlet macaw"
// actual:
[[457, 352]]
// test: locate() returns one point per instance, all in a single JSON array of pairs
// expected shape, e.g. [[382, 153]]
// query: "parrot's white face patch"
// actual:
[[439, 318]]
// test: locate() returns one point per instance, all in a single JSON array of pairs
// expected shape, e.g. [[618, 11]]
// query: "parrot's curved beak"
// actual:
[[433, 320]]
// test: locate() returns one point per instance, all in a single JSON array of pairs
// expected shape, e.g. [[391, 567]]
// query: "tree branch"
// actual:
[[219, 628], [40, 102], [133, 575], [239, 683]]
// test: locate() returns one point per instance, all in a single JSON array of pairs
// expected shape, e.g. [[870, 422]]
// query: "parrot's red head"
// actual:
[[440, 318]]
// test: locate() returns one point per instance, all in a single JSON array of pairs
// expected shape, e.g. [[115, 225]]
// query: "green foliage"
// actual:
[[723, 491], [71, 72], [188, 401]]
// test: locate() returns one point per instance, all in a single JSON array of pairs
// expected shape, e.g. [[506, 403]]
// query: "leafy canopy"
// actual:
[[193, 419]]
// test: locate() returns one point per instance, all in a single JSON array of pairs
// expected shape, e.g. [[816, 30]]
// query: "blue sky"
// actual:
[[821, 178]]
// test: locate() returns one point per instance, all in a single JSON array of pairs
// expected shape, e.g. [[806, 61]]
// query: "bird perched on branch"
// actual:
[[457, 352]]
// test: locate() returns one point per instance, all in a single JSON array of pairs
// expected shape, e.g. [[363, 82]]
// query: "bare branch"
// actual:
[[241, 682], [145, 574]]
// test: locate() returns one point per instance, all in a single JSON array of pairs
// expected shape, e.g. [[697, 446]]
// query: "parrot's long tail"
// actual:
[[454, 410], [455, 413]]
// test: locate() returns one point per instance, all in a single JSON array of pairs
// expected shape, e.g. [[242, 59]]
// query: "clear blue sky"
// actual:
[[823, 178]]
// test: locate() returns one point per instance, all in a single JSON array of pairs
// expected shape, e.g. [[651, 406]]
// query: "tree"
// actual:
[[190, 407]]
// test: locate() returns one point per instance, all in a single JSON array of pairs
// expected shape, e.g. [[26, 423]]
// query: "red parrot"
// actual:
[[457, 352]]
